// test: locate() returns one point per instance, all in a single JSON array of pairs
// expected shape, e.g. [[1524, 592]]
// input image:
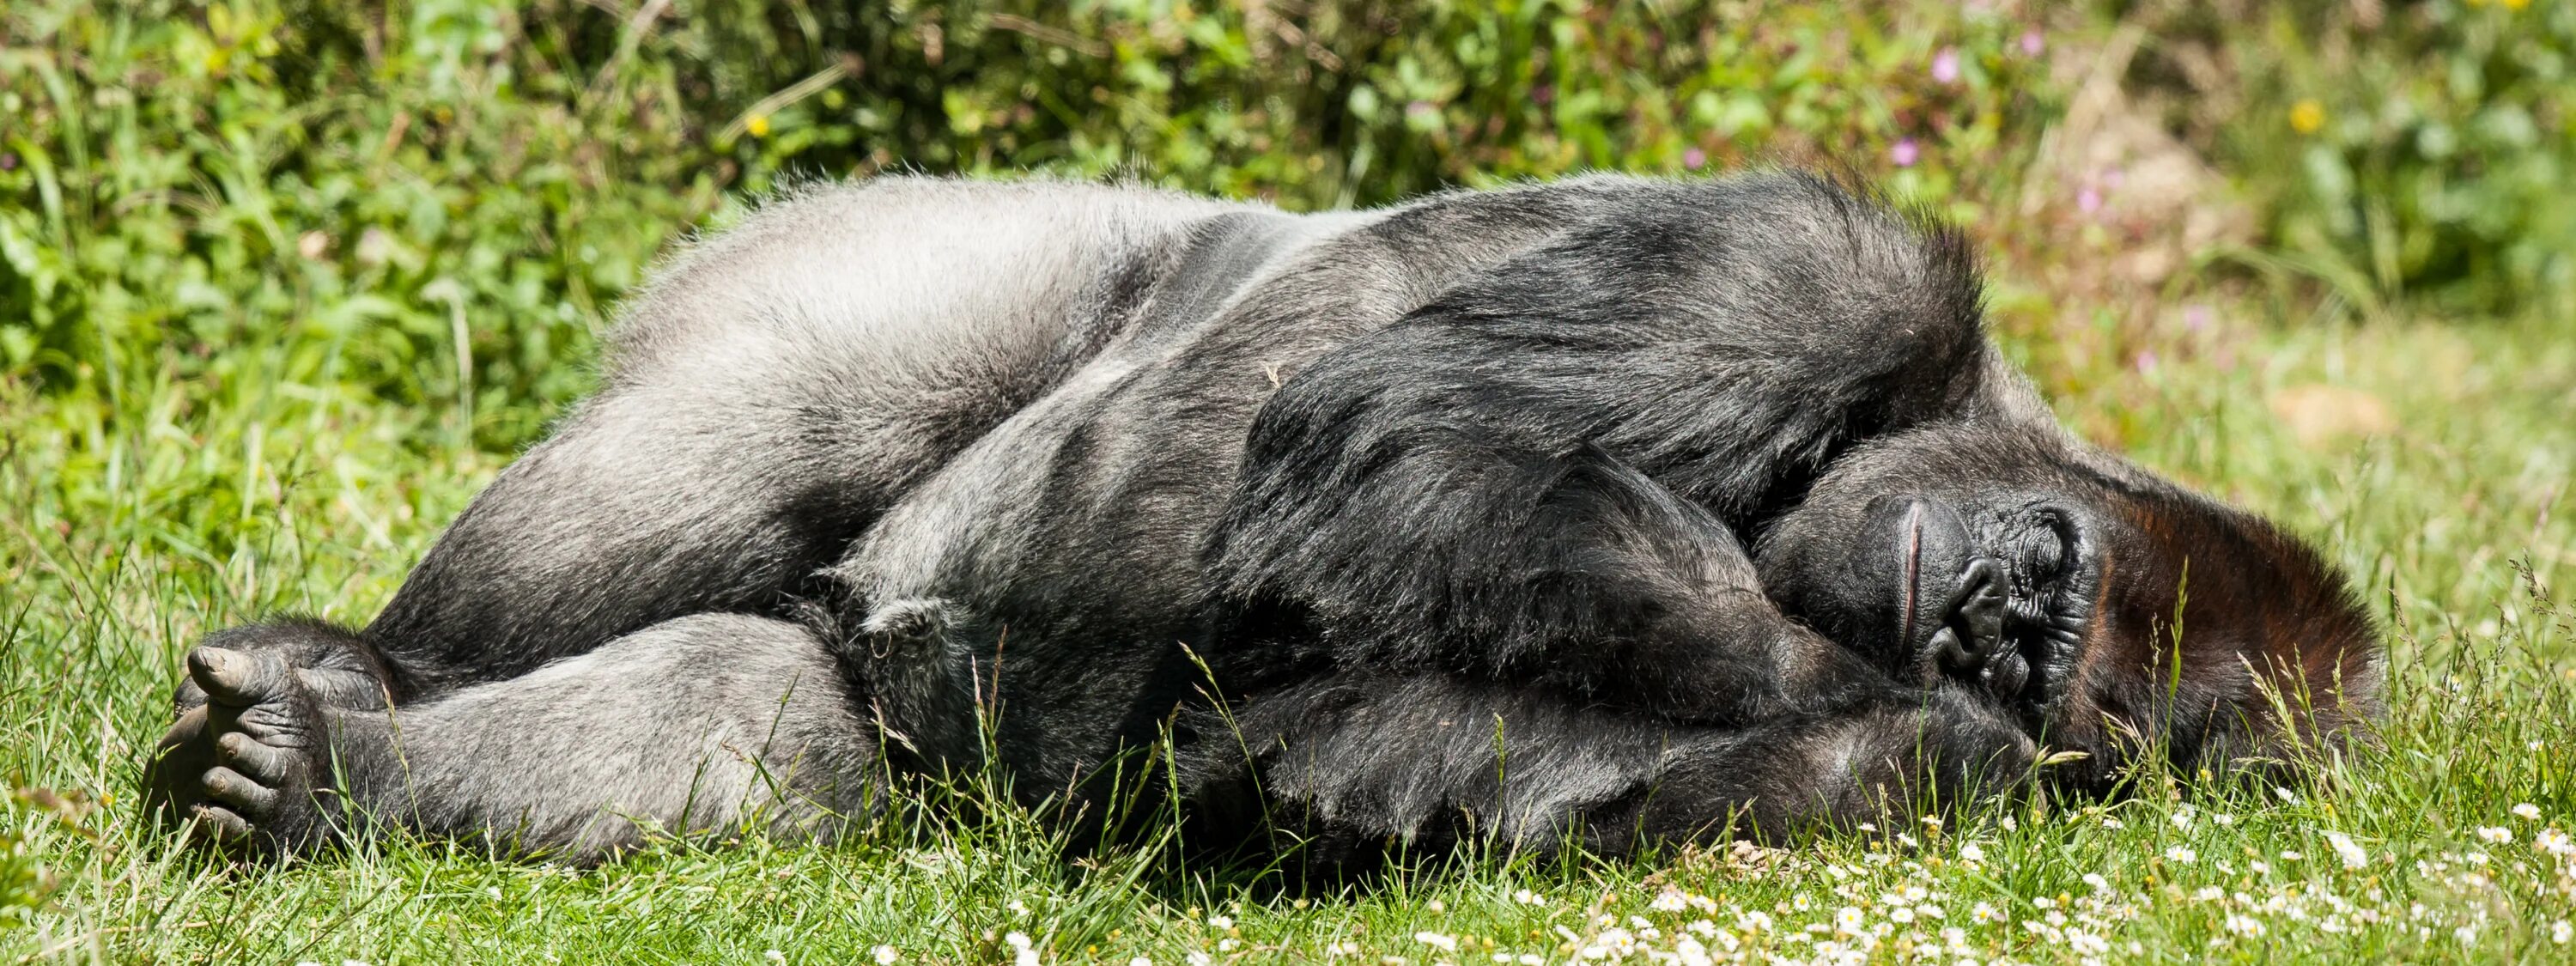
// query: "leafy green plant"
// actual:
[[421, 210], [2396, 150], [433, 201]]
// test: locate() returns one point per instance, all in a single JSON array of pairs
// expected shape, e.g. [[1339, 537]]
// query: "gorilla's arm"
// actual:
[[1450, 548], [1358, 758], [1545, 473]]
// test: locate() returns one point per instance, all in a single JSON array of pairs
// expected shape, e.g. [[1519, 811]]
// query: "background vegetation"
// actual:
[[282, 282]]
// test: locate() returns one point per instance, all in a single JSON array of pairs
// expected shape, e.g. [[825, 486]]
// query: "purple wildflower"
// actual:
[[2088, 200], [1692, 158], [1945, 65], [2031, 44], [1905, 153]]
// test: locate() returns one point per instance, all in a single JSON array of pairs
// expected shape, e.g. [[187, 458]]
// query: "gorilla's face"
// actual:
[[2062, 583], [1994, 587]]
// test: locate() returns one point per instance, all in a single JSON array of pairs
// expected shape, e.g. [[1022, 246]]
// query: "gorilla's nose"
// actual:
[[1950, 597]]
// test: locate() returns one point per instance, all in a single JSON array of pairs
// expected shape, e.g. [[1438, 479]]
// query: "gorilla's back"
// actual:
[[1040, 379], [1138, 355]]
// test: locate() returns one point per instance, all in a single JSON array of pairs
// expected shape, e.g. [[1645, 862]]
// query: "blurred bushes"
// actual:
[[2397, 149], [432, 200], [423, 206], [1328, 104]]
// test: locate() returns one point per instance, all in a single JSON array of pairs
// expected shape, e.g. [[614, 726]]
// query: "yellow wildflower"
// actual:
[[2307, 116], [758, 125]]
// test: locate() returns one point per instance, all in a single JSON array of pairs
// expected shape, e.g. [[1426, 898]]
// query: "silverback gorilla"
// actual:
[[1610, 510]]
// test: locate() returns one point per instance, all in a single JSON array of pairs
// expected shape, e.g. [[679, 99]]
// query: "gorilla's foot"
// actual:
[[251, 765]]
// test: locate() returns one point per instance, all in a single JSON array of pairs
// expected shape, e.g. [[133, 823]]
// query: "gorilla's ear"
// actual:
[[2289, 728]]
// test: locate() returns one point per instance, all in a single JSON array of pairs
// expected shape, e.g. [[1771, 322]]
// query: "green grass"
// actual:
[[137, 514], [280, 279]]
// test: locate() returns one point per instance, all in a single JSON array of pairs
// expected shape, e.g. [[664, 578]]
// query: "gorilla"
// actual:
[[1612, 510]]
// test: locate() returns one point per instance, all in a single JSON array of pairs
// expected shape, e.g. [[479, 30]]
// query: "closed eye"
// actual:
[[2047, 609], [2052, 545]]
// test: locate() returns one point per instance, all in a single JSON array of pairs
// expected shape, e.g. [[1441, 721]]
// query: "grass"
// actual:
[[138, 512]]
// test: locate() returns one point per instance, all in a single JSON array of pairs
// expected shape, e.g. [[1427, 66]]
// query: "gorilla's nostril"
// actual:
[[1972, 622], [1979, 607], [1930, 546], [1943, 598]]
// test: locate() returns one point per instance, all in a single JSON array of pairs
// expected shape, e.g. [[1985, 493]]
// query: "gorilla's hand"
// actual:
[[1907, 582], [1965, 637]]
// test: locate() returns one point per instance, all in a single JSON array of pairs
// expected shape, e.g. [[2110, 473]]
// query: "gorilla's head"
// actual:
[[2109, 610]]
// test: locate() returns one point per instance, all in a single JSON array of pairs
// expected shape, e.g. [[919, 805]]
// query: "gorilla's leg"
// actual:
[[775, 389], [660, 498], [653, 502], [694, 725], [1355, 759], [679, 489]]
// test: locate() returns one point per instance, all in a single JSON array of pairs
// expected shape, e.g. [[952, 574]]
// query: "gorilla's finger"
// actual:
[[190, 726], [240, 751], [237, 790], [222, 824], [1980, 606], [170, 774], [186, 695], [237, 678], [216, 670]]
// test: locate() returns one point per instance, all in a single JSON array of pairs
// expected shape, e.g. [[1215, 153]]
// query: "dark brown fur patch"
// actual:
[[2265, 627]]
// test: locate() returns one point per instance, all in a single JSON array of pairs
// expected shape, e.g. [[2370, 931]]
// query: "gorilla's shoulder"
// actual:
[[1787, 226], [1786, 257]]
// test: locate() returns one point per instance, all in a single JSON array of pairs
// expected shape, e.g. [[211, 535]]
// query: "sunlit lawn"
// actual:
[[2433, 461]]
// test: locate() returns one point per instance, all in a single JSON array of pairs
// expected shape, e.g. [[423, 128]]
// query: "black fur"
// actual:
[[1413, 524]]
